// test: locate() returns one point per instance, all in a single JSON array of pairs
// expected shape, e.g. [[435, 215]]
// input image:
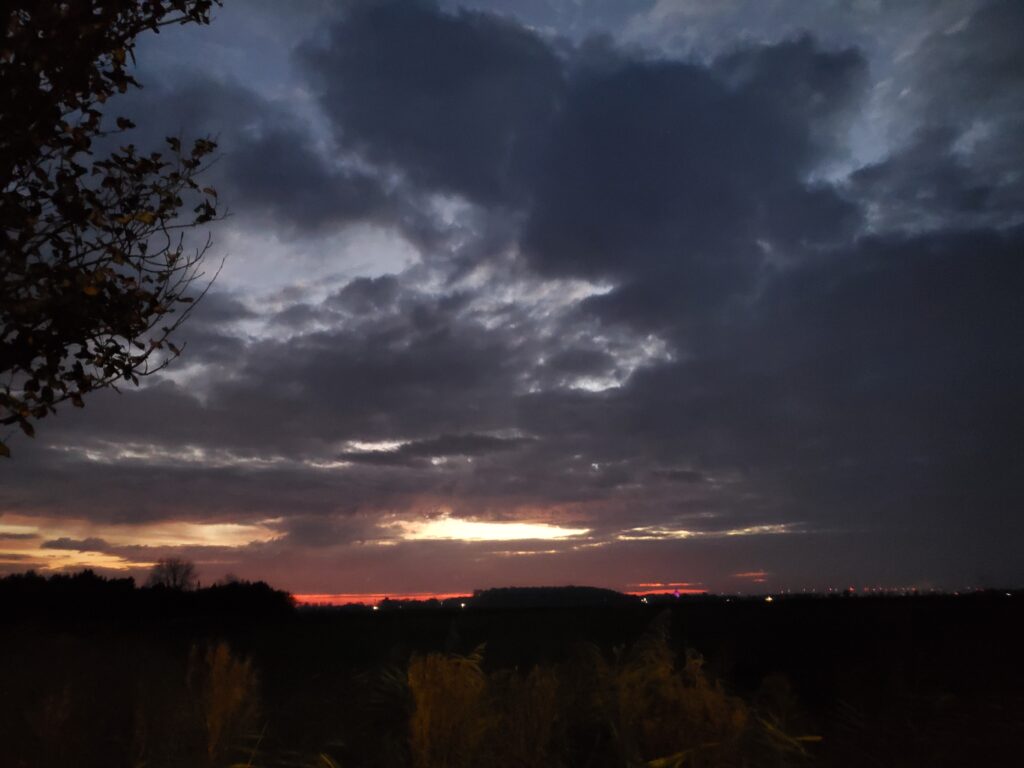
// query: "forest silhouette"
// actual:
[[100, 672]]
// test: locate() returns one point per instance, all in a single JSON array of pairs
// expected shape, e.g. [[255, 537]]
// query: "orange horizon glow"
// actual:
[[664, 584], [373, 598]]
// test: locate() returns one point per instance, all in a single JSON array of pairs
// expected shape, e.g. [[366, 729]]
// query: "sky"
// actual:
[[712, 295]]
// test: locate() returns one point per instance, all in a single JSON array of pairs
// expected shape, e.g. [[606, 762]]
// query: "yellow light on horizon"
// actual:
[[458, 529]]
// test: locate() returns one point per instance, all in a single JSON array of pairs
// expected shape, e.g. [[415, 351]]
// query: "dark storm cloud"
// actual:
[[212, 336], [367, 296], [566, 16], [678, 180], [221, 309], [889, 361], [281, 173], [971, 69], [268, 163], [926, 185], [458, 102], [581, 362], [319, 531], [963, 94], [369, 381], [643, 170]]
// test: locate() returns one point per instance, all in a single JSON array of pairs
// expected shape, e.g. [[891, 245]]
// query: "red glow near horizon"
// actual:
[[667, 584], [376, 598], [372, 598]]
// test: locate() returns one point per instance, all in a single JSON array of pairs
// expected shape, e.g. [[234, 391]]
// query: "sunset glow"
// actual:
[[370, 598], [59, 544], [457, 529]]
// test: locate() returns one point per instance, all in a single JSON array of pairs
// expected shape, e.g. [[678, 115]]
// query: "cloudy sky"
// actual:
[[725, 295]]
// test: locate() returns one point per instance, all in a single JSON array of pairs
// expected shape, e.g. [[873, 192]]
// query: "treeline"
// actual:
[[61, 598]]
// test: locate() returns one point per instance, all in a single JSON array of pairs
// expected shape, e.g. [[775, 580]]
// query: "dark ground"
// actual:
[[98, 673]]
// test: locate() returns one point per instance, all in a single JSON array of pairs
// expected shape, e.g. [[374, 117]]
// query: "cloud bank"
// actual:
[[689, 302]]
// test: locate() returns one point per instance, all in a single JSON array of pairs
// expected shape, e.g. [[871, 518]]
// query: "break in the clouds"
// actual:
[[716, 294]]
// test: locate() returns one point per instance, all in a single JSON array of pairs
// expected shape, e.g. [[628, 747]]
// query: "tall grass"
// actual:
[[643, 706], [224, 689]]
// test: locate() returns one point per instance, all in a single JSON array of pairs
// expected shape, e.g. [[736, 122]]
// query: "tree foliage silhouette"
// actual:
[[173, 573], [95, 274]]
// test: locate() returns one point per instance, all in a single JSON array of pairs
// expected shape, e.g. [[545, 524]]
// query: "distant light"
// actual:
[[769, 599], [462, 605], [376, 607], [643, 600]]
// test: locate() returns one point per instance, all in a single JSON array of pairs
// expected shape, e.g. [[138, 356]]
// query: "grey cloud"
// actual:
[[797, 82], [457, 102], [79, 545], [297, 316], [465, 445], [880, 386], [926, 186], [970, 69], [320, 531], [219, 309], [579, 362], [569, 17], [961, 93], [268, 165], [281, 173], [663, 169], [367, 296], [682, 475]]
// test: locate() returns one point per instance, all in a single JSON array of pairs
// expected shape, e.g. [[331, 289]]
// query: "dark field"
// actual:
[[98, 673]]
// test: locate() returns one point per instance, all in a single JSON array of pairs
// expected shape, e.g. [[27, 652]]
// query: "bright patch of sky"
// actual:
[[657, 533], [459, 529]]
